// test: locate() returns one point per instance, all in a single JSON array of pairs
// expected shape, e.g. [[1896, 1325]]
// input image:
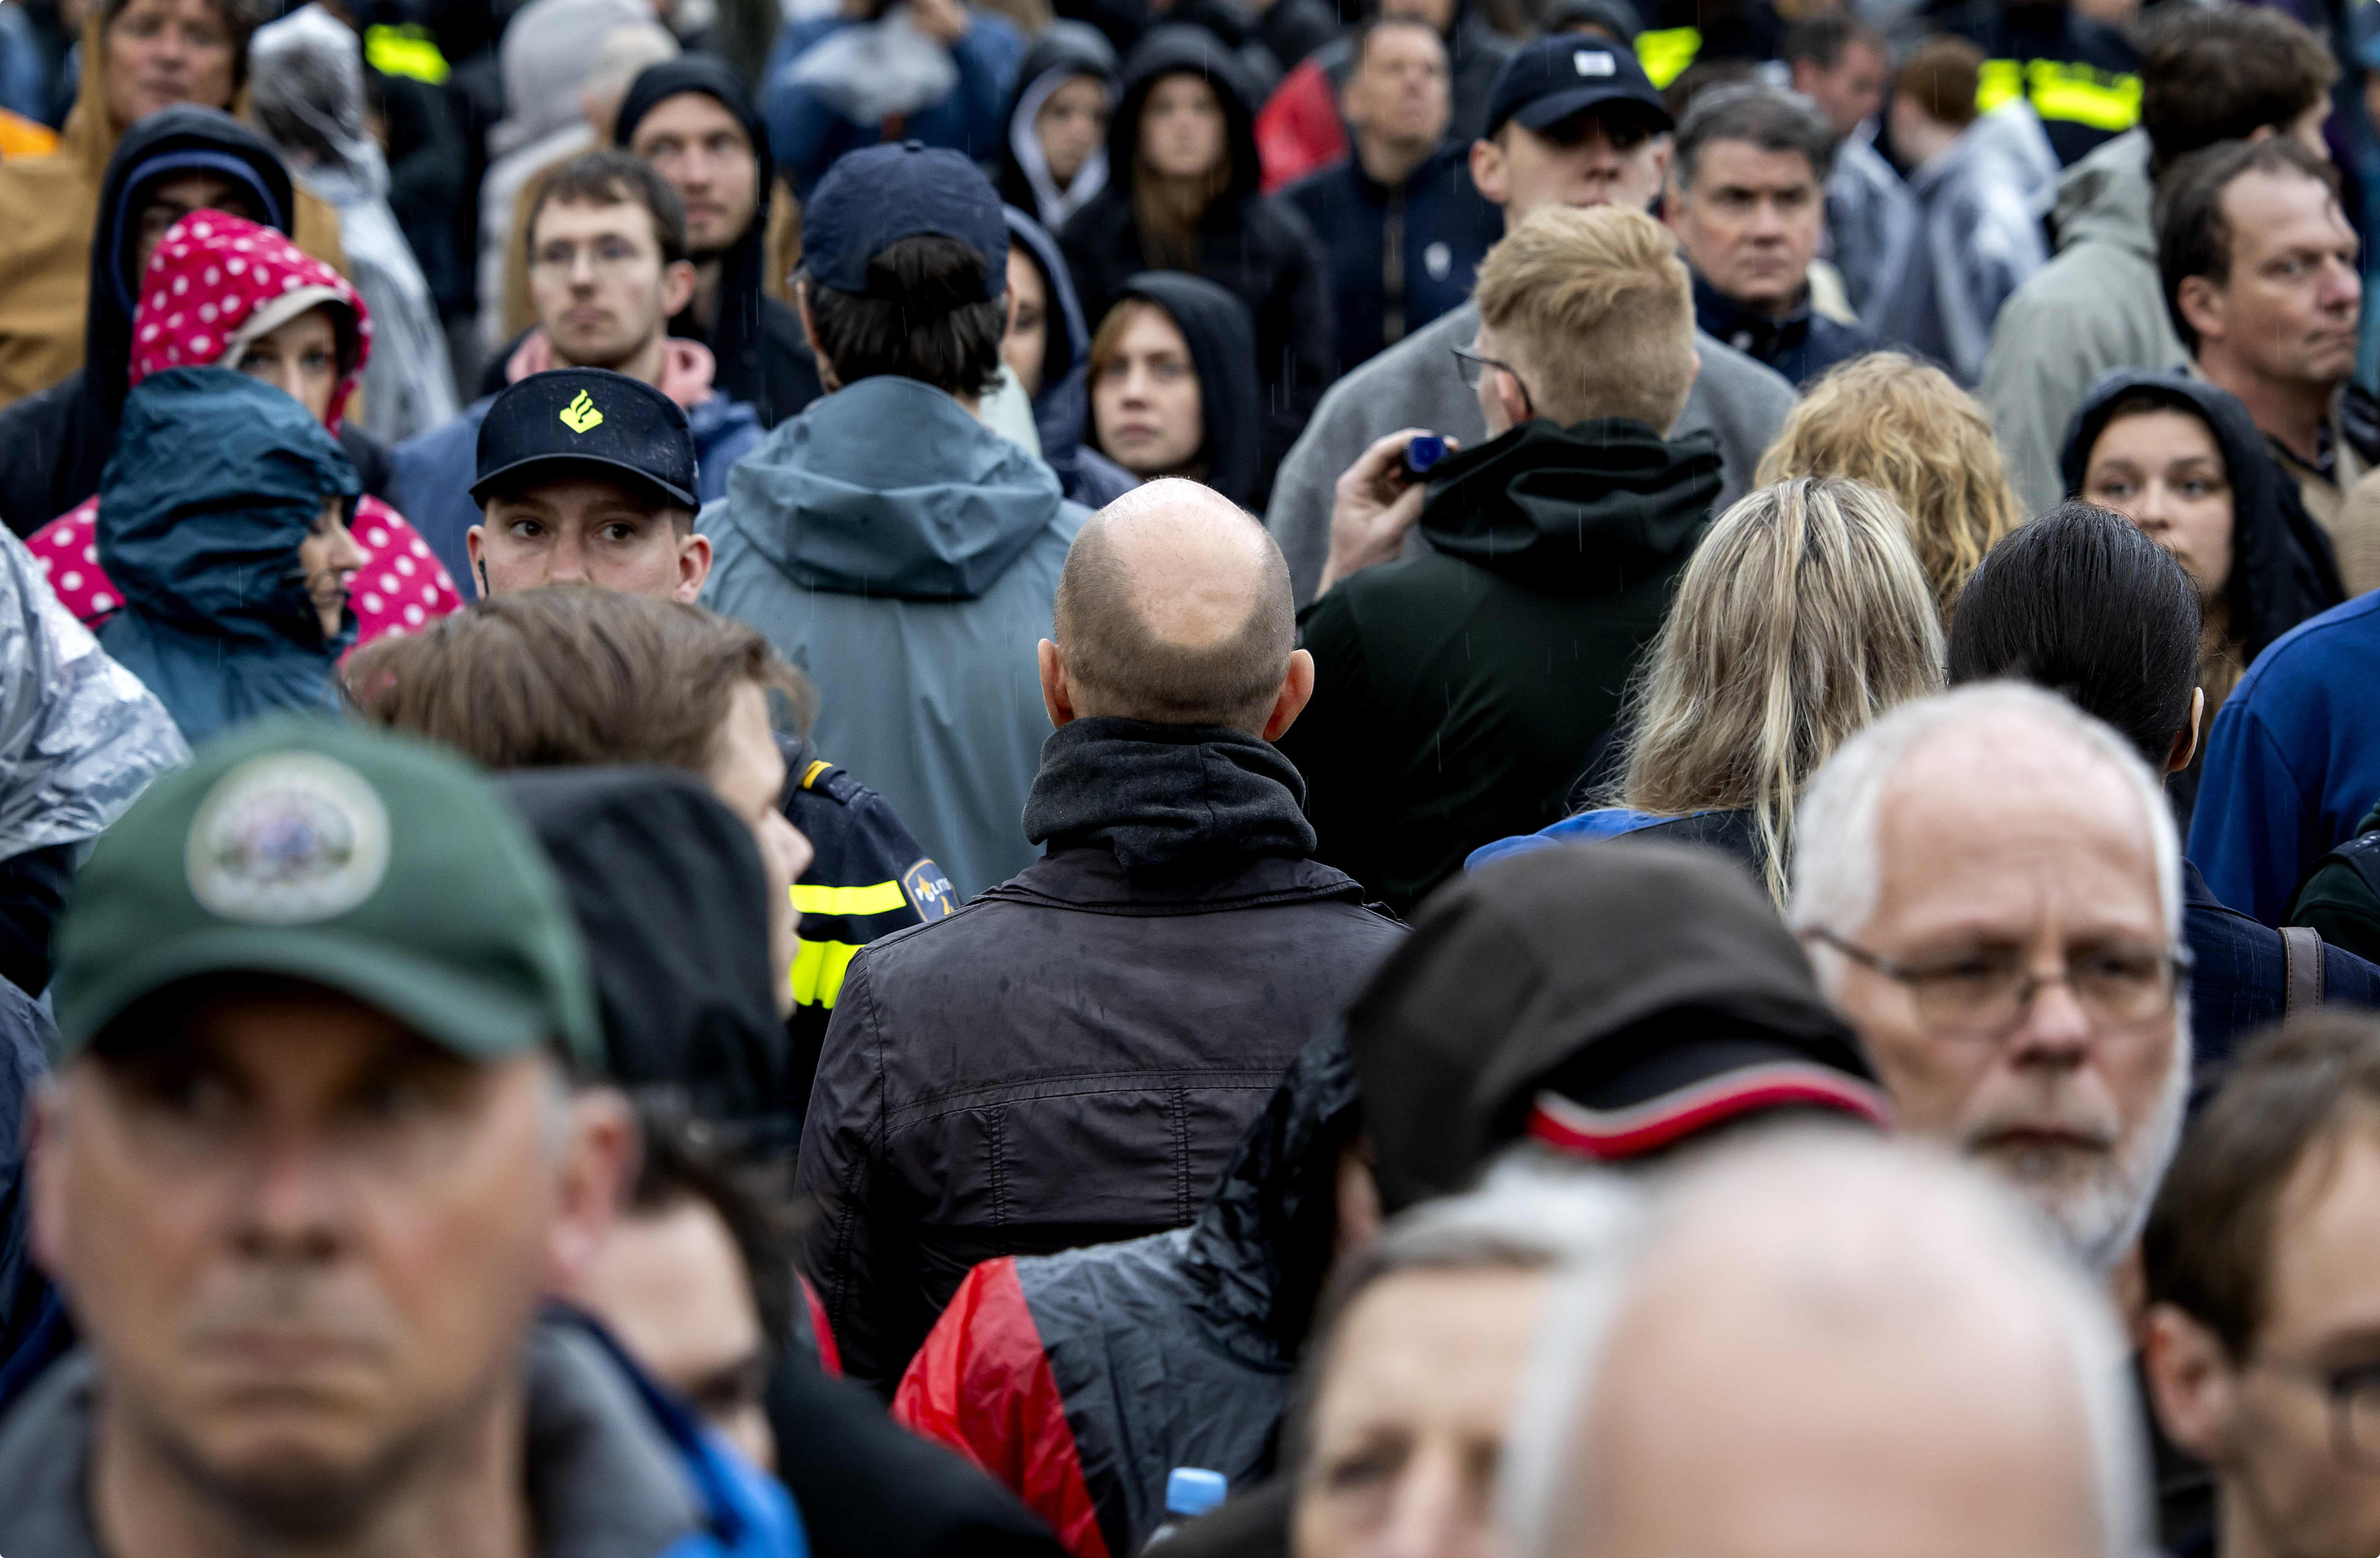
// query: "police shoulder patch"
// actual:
[[287, 838], [931, 892]]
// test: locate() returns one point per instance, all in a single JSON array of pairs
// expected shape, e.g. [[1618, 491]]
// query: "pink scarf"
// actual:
[[687, 367]]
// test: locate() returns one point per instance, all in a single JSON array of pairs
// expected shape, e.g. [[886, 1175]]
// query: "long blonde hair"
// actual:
[[1892, 421], [1801, 617]]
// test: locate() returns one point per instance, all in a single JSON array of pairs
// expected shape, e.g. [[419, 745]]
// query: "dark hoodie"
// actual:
[[2282, 567], [1256, 248], [1222, 348], [763, 359], [1061, 410], [1089, 1376], [1064, 50], [58, 441], [1458, 693], [218, 478]]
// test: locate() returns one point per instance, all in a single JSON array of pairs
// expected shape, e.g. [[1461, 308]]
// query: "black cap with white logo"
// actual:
[[591, 420], [1559, 78]]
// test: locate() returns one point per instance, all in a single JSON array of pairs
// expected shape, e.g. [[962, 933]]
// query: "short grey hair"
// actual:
[[1768, 118], [1974, 1223], [1837, 868]]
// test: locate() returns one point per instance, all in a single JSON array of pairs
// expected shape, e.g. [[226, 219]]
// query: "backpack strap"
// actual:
[[2301, 951]]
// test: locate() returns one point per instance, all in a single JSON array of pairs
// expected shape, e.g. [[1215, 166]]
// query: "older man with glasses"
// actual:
[[1988, 883]]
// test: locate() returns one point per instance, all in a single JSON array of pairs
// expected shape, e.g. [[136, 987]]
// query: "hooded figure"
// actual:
[[1066, 51], [219, 481], [58, 439], [1222, 348], [667, 887], [2282, 567], [1086, 1377], [1458, 692], [1062, 411], [195, 310], [68, 209], [1254, 246], [310, 98]]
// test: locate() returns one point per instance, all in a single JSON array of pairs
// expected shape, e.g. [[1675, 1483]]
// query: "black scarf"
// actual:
[[1166, 799]]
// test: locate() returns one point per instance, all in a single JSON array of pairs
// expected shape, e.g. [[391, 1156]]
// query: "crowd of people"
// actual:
[[1425, 779]]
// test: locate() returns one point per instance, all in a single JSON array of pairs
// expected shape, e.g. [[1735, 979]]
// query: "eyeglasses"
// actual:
[[1984, 995], [1469, 365], [2354, 1396], [605, 256]]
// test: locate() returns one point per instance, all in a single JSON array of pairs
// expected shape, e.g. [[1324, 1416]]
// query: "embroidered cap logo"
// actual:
[[580, 415], [1590, 62]]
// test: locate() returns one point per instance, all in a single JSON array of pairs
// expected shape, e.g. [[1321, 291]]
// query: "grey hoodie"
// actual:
[[906, 558], [1414, 384], [2098, 306]]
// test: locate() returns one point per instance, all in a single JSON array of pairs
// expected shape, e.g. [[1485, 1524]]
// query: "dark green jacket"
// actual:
[[1457, 694]]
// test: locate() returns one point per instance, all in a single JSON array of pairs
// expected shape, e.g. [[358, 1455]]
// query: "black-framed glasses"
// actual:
[[1985, 994], [2353, 1394], [1469, 365]]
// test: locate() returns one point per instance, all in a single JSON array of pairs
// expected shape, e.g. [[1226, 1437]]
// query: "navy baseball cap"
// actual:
[[871, 199], [1559, 78], [600, 423]]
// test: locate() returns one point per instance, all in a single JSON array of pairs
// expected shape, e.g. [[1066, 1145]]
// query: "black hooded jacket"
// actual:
[[2283, 569], [58, 441], [1070, 1058], [1077, 49], [670, 895], [1223, 349], [1458, 693], [1097, 1372], [1061, 406], [1256, 246], [763, 359]]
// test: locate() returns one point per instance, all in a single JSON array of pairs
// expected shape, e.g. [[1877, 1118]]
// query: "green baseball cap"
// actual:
[[367, 863]]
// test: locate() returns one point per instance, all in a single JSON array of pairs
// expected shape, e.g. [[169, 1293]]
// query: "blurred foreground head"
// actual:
[[1827, 1346], [1989, 887]]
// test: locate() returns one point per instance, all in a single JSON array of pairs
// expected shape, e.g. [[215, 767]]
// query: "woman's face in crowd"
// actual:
[[165, 52], [1182, 128], [2163, 472], [330, 556], [1072, 122], [301, 358], [1026, 345], [748, 773], [1145, 403]]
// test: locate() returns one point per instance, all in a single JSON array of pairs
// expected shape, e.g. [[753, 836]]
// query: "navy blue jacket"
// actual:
[[2238, 983], [1801, 345], [1398, 258]]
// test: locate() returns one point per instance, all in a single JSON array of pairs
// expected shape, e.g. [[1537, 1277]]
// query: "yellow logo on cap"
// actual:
[[580, 415]]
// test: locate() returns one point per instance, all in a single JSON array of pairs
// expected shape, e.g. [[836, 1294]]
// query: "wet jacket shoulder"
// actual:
[[1458, 693], [615, 1468], [1082, 1379], [1070, 1058], [906, 557]]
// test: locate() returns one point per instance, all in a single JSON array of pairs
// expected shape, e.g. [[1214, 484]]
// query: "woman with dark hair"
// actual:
[[2181, 459], [1047, 347], [1173, 385], [1182, 195]]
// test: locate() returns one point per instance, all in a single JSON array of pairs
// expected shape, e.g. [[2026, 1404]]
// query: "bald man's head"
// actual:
[[1839, 1346], [1176, 607]]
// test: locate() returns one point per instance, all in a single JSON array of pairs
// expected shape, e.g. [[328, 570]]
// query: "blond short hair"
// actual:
[[1595, 309], [1899, 424]]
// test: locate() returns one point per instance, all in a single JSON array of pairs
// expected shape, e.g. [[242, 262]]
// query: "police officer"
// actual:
[[589, 477]]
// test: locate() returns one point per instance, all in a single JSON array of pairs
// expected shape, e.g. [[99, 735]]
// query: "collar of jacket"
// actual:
[[1167, 800], [1377, 193], [1755, 335]]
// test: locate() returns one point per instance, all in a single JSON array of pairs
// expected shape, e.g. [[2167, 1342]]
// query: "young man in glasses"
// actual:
[[2262, 1261], [1459, 691]]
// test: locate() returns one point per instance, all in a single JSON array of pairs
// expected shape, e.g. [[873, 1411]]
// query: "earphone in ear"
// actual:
[[482, 567]]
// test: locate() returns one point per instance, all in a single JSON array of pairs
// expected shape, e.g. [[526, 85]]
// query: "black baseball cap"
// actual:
[[605, 423], [1559, 78], [871, 199]]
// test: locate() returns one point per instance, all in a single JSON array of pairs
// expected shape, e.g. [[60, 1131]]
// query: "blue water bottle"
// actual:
[[1190, 1492]]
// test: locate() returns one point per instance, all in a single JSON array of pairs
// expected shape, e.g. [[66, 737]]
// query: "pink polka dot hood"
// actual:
[[216, 282]]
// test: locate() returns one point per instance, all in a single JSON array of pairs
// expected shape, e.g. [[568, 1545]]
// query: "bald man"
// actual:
[[1827, 1345], [1072, 1057]]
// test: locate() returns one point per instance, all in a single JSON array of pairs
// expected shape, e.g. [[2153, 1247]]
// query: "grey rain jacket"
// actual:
[[905, 557]]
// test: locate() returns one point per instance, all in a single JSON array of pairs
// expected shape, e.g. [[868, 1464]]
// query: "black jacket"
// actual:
[[32, 1324], [1070, 1058], [1222, 348], [1257, 248], [1061, 406], [58, 441], [763, 359], [1801, 345], [1457, 694], [1401, 257]]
